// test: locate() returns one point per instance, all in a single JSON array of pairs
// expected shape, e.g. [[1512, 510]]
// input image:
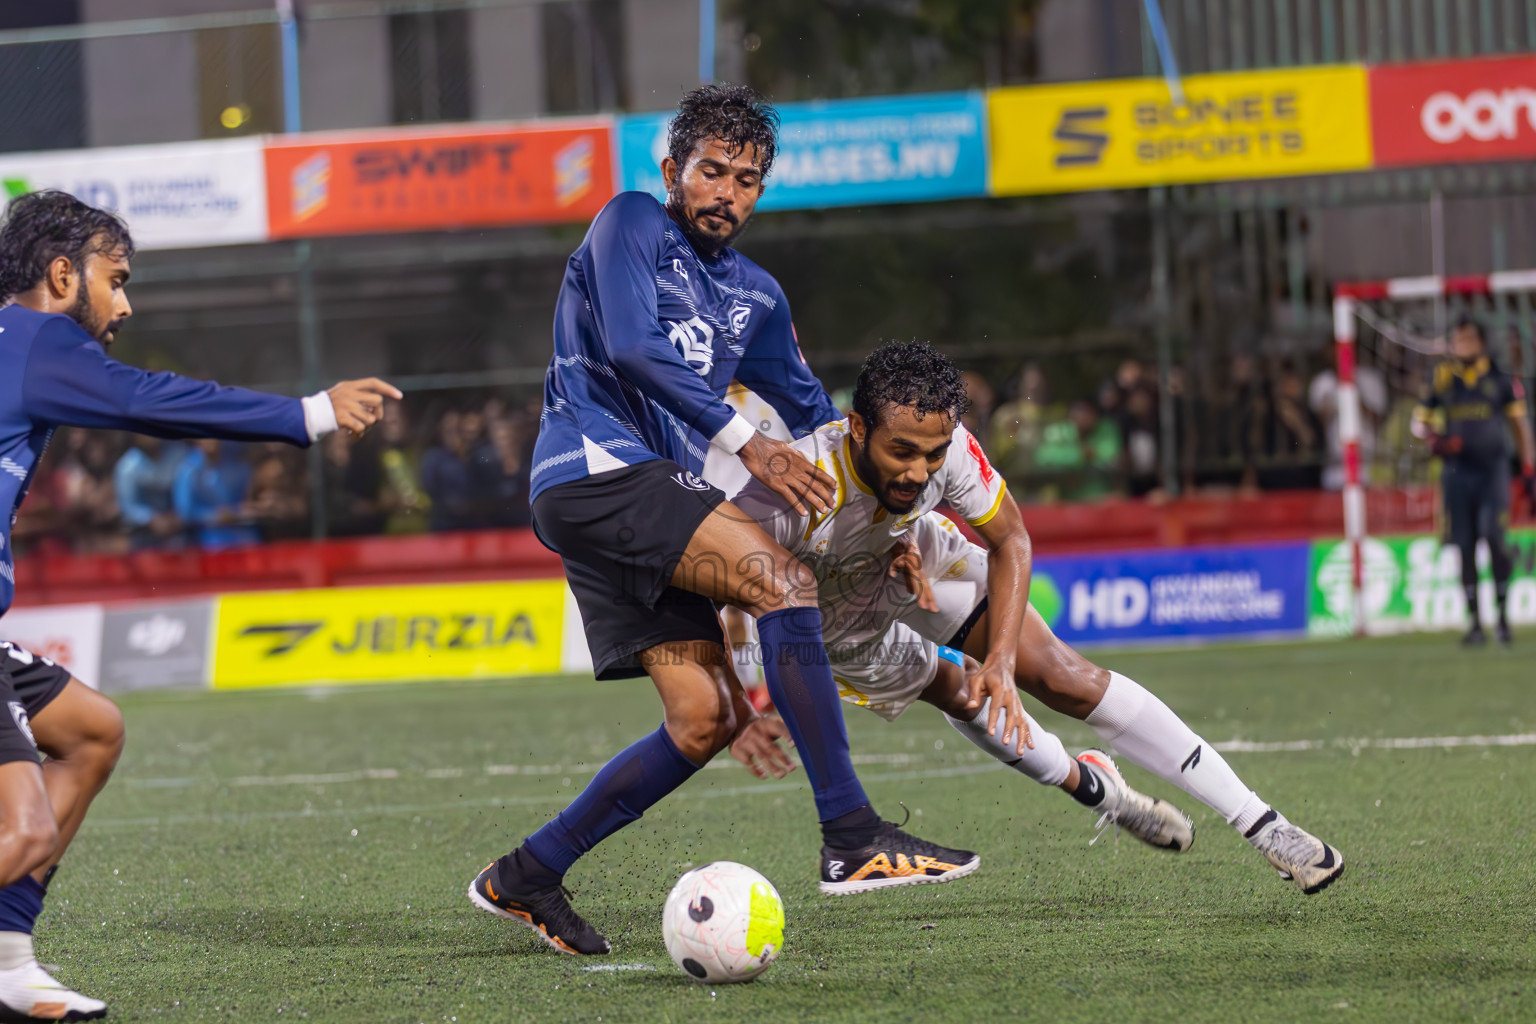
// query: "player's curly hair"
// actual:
[[39, 227], [734, 114], [911, 375]]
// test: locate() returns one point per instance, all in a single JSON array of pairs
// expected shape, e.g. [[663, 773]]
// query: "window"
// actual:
[[429, 69], [584, 56], [42, 94], [240, 81]]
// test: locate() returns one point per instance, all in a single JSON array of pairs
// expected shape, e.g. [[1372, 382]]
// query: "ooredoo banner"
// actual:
[[438, 179], [1188, 593], [1454, 112], [1130, 133], [848, 152], [173, 196]]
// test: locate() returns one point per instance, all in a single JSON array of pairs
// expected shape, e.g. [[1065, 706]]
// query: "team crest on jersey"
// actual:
[[981, 460], [740, 313], [690, 481], [19, 714]]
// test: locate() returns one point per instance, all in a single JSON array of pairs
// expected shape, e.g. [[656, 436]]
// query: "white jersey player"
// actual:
[[896, 458]]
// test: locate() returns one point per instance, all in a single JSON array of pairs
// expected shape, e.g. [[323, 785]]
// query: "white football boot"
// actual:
[[1153, 821], [1297, 854], [29, 993]]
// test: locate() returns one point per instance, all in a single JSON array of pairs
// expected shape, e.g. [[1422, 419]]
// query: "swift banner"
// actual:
[[848, 152], [1191, 593], [173, 196], [1129, 133], [1413, 584], [1454, 112], [382, 634], [352, 182]]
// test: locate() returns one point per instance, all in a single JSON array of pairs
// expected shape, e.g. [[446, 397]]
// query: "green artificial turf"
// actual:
[[268, 856]]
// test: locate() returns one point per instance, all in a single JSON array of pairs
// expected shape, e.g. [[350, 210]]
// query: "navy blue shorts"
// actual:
[[28, 683], [620, 535]]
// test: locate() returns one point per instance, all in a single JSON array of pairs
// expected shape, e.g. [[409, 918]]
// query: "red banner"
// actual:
[[1457, 112], [415, 180]]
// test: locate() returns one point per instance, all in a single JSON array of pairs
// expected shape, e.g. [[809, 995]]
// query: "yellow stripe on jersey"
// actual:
[[835, 469], [854, 473], [997, 504], [1515, 410]]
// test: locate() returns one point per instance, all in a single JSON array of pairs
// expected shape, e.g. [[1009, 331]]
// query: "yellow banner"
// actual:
[[379, 634], [1129, 134]]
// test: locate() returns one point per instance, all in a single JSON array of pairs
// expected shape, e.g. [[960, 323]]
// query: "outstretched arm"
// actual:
[[69, 379]]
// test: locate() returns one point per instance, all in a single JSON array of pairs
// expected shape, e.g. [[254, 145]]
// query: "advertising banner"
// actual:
[[380, 634], [173, 196], [148, 646], [1412, 584], [437, 179], [1187, 593], [69, 634], [848, 152], [1454, 112], [1128, 133]]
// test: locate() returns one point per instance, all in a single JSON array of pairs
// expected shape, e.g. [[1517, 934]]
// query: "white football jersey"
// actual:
[[726, 471], [850, 548]]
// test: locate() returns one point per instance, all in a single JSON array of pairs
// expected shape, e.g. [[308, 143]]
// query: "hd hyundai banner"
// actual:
[[847, 152], [462, 176], [1204, 593], [174, 196], [1454, 112]]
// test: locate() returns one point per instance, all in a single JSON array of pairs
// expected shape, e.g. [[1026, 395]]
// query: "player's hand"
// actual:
[[994, 681], [359, 404], [1445, 446], [907, 566], [756, 746], [789, 474]]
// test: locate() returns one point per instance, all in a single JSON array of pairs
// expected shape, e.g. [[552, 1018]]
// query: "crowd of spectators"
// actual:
[[102, 492], [1265, 424]]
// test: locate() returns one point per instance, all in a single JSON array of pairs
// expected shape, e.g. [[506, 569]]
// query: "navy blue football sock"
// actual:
[[20, 903], [640, 775], [800, 682]]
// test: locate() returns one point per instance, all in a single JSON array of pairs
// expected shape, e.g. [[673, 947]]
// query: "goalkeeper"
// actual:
[[1466, 416]]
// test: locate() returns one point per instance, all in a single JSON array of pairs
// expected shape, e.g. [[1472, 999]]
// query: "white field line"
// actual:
[[711, 793]]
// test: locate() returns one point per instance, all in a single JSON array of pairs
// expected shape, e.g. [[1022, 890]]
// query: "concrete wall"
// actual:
[[507, 63], [661, 39], [344, 73]]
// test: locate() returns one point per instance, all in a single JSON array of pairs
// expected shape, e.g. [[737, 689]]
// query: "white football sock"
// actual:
[[15, 950], [1047, 762], [1147, 733]]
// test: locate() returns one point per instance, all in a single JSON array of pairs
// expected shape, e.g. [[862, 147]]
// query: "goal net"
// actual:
[[1391, 573]]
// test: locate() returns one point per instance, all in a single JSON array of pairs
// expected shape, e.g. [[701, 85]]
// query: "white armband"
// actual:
[[733, 437], [319, 415]]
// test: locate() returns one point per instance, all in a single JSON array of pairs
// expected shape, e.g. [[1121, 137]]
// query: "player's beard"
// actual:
[[871, 474], [704, 243], [82, 314]]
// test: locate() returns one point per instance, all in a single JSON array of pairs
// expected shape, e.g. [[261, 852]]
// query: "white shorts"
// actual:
[[883, 647]]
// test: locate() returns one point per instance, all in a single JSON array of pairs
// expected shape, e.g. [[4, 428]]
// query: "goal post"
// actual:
[[1410, 315]]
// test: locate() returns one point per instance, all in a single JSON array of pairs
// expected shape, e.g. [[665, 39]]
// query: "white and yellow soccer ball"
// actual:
[[723, 922]]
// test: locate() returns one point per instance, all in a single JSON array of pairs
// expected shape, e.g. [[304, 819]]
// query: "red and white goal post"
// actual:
[[1394, 313]]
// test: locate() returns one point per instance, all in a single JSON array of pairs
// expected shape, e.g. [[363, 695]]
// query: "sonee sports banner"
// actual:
[[1130, 133]]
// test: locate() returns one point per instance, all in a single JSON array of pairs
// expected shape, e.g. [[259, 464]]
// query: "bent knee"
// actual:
[[703, 731]]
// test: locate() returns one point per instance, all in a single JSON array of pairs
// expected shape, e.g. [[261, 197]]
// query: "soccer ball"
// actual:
[[723, 922]]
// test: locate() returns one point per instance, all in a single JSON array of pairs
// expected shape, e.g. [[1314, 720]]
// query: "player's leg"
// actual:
[[1150, 735], [1461, 498], [703, 705], [29, 841], [1493, 522]]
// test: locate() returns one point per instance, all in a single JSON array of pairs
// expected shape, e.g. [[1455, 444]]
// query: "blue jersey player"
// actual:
[[656, 316], [63, 269]]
